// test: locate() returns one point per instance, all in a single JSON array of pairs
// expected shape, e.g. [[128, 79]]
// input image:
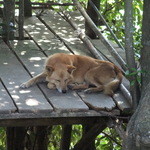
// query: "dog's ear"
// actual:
[[70, 68], [49, 68]]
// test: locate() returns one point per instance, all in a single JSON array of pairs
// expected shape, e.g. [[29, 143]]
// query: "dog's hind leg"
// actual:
[[78, 86], [40, 77], [94, 89]]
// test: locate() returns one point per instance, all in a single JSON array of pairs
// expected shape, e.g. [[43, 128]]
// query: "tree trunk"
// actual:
[[93, 15], [134, 89], [138, 129], [145, 53]]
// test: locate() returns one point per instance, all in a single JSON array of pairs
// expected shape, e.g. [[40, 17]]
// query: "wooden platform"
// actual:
[[39, 105]]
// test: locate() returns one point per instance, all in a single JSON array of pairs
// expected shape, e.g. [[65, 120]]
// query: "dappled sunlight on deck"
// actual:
[[46, 35], [32, 102]]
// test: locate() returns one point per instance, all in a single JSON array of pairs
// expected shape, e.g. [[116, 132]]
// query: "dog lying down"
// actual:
[[78, 72]]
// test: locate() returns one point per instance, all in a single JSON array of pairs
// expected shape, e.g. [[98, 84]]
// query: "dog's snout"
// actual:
[[64, 91]]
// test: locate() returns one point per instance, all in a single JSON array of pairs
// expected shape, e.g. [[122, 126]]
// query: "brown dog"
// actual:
[[79, 72]]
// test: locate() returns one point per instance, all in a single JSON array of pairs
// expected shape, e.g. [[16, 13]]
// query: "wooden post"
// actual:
[[66, 137], [90, 136], [86, 129], [41, 141], [21, 19], [27, 8], [16, 138], [10, 138], [8, 19], [93, 15]]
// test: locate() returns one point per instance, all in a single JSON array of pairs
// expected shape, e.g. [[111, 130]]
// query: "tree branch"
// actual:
[[99, 34]]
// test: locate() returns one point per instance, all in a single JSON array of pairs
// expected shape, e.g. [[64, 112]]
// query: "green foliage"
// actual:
[[76, 135], [55, 138], [2, 139], [113, 11], [108, 140], [136, 73]]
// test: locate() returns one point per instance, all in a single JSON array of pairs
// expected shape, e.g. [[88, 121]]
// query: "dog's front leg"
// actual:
[[51, 86], [40, 77], [79, 86]]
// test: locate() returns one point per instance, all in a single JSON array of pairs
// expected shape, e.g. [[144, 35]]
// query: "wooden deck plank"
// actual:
[[45, 39], [6, 104], [13, 74], [122, 103], [31, 59], [98, 101], [65, 31], [53, 22], [69, 101]]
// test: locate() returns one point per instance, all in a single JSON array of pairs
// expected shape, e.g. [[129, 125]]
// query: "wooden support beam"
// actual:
[[16, 138], [27, 8], [66, 137], [90, 136], [93, 15], [21, 19], [41, 140], [10, 138], [86, 128], [8, 20]]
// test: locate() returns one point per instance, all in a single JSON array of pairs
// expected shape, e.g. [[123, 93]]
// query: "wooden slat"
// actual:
[[32, 59], [66, 137], [45, 39], [122, 103], [69, 101], [6, 104], [13, 74], [98, 101], [65, 31]]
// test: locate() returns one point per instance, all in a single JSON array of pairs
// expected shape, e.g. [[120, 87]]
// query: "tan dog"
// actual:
[[79, 72]]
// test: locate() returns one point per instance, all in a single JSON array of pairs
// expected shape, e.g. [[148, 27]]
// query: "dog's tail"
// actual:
[[112, 86]]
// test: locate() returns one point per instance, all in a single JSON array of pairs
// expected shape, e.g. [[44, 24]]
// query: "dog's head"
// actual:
[[60, 76]]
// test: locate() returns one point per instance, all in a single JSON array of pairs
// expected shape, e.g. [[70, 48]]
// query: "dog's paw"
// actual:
[[51, 86], [88, 91], [24, 85]]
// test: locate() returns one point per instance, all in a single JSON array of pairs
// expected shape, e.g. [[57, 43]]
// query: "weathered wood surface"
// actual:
[[38, 104], [80, 22], [34, 63], [13, 74], [69, 101], [98, 101], [6, 103], [121, 102], [44, 38]]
